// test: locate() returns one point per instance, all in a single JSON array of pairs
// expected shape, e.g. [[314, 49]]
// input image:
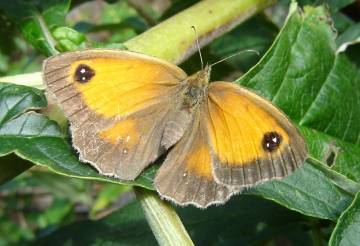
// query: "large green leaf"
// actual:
[[347, 229], [15, 100], [303, 75], [308, 191]]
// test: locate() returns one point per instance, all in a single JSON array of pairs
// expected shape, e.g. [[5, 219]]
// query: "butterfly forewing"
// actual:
[[118, 103]]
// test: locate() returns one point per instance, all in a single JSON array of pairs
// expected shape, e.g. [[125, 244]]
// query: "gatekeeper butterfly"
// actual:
[[127, 108]]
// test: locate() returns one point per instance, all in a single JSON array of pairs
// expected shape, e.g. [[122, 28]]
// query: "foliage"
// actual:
[[306, 67]]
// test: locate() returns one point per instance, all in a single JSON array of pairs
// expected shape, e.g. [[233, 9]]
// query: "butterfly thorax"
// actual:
[[197, 88]]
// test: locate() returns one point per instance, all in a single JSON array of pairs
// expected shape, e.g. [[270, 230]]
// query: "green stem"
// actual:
[[174, 39], [316, 231], [162, 219]]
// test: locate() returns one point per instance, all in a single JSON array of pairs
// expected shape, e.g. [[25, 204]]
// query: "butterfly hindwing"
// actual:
[[252, 140], [186, 175]]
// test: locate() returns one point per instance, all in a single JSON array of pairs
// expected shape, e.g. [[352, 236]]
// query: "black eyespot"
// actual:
[[271, 141], [84, 73]]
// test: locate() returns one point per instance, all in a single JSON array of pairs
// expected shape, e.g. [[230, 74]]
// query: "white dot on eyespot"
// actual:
[[82, 70], [184, 174], [125, 151]]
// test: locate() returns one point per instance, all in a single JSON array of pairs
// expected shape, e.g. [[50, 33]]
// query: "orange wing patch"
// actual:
[[122, 87], [198, 162], [238, 126], [252, 140], [186, 175], [122, 132]]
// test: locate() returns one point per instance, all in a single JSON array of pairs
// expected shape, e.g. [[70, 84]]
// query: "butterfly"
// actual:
[[126, 109]]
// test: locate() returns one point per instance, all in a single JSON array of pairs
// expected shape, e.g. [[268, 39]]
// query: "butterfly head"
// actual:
[[203, 76]]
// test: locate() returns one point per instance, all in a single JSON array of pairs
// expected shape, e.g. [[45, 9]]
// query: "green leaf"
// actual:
[[347, 228], [340, 85], [238, 222], [308, 191], [290, 76], [11, 166], [68, 39], [349, 37], [35, 20], [15, 100]]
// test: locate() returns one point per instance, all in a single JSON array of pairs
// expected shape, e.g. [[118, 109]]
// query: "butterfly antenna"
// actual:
[[234, 55], [197, 42]]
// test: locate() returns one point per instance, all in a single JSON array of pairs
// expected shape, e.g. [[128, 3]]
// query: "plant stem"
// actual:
[[162, 219], [174, 39], [316, 231]]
